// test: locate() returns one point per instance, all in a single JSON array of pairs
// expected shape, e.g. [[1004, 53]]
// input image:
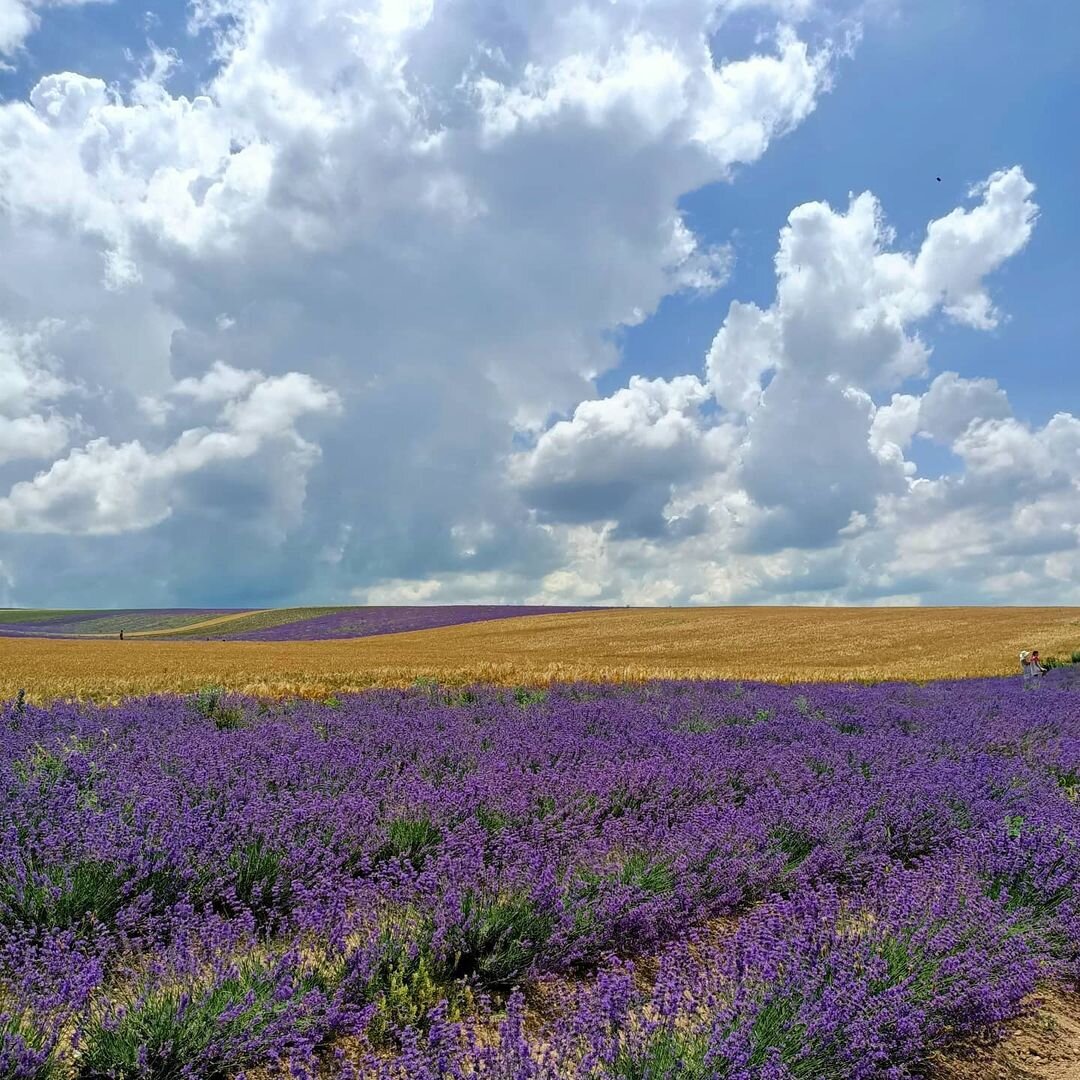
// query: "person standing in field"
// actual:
[[1030, 667]]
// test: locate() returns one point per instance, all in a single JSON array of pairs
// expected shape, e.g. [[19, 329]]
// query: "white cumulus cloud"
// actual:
[[105, 489], [30, 387], [351, 300], [807, 491], [439, 210]]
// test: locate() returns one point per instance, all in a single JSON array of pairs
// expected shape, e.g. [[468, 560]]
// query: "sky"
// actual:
[[546, 301]]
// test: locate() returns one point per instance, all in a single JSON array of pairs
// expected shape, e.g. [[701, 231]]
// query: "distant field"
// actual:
[[14, 617], [270, 624], [332, 623], [775, 644], [28, 623], [282, 619]]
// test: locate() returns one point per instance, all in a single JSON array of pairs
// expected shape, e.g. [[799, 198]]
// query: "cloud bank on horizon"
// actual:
[[332, 327]]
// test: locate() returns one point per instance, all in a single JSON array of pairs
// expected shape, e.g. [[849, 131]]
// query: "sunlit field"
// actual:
[[682, 880], [772, 644], [626, 844]]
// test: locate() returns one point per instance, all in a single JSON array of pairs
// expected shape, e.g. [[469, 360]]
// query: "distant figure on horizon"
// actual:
[[121, 635]]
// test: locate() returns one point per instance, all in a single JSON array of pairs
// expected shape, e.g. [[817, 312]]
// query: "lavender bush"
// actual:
[[381, 886]]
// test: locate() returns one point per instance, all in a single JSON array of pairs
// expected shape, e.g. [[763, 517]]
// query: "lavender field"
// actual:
[[272, 624], [29, 623], [682, 880], [359, 622]]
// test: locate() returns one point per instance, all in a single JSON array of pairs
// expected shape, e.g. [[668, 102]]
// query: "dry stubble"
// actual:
[[779, 644]]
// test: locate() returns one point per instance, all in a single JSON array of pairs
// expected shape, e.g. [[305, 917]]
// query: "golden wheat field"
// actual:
[[767, 643]]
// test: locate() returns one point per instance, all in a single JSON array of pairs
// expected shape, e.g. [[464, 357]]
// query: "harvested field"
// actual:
[[775, 644]]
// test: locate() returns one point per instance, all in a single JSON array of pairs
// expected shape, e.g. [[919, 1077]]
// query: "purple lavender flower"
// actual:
[[383, 884]]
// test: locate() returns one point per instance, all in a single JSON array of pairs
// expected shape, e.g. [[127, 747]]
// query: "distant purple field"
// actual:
[[49, 623], [106, 622], [370, 621]]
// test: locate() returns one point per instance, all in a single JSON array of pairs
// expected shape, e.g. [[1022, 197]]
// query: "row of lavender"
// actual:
[[192, 888]]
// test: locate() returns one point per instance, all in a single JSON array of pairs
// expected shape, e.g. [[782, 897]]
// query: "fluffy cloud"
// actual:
[[618, 458], [439, 211], [33, 436], [28, 384], [943, 413], [846, 304], [802, 373], [350, 300], [106, 489], [654, 90], [812, 495]]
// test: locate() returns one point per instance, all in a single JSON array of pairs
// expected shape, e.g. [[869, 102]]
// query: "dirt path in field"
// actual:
[[1042, 1044]]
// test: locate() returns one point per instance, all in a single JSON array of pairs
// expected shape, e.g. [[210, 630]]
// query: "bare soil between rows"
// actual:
[[1042, 1043]]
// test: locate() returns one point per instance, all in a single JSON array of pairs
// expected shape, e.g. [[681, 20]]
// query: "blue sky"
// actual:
[[108, 40], [367, 309], [950, 88]]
